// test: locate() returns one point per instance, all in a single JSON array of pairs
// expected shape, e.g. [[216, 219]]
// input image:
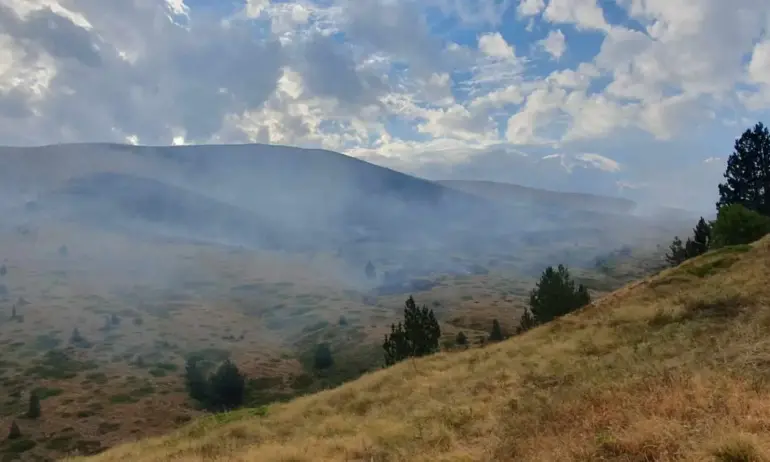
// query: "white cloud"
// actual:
[[494, 45], [585, 14], [555, 43], [530, 7]]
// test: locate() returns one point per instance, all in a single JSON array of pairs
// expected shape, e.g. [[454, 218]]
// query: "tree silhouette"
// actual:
[[33, 410], [461, 339], [323, 356], [748, 172], [227, 386], [556, 295], [418, 335], [497, 333]]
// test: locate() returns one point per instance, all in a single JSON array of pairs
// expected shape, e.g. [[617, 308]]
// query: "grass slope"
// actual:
[[672, 367]]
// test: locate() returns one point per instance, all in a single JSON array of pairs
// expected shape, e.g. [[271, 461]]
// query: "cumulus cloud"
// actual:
[[419, 83]]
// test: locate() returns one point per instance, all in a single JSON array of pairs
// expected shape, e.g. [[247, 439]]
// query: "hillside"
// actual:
[[672, 367], [511, 193]]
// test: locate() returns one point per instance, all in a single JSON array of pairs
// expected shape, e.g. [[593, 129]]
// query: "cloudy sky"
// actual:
[[642, 98]]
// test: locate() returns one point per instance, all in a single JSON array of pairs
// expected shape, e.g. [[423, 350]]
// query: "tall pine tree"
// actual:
[[418, 335], [748, 172]]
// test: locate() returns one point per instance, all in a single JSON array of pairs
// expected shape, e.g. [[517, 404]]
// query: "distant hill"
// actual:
[[310, 200], [512, 193]]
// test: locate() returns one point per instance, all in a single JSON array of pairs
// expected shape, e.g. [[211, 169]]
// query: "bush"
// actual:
[[461, 339], [736, 225], [222, 391]]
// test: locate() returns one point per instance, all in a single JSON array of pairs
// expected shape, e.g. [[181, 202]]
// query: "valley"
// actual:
[[114, 278]]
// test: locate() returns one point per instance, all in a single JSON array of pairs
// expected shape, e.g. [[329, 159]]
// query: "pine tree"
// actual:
[[13, 312], [323, 356], [371, 273], [701, 238], [677, 252], [748, 172], [228, 387], [14, 432], [196, 381], [461, 339], [419, 334], [526, 322], [33, 410], [556, 295], [497, 333]]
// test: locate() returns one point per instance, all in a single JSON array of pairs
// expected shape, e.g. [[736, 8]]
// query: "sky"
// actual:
[[639, 98]]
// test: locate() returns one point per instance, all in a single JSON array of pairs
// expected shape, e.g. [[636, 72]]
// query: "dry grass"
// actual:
[[676, 367]]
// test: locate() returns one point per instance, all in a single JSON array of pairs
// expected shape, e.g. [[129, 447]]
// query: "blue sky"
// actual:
[[640, 98]]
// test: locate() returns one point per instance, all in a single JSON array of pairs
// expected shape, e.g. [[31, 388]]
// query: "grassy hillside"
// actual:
[[672, 367]]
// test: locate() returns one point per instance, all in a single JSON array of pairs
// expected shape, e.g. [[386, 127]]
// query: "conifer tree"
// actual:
[[556, 295], [676, 253], [33, 410], [748, 172], [323, 356], [227, 386], [418, 335], [461, 339], [196, 381], [526, 322], [497, 333]]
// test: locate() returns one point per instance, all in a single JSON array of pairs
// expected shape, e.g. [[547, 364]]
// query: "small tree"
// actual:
[[461, 339], [323, 356], [677, 253], [418, 335], [3, 270], [736, 224], [228, 387], [701, 239], [526, 322], [33, 410], [13, 312], [371, 273], [14, 432], [556, 295], [195, 381], [497, 333]]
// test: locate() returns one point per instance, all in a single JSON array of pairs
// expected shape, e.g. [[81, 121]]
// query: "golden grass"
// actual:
[[675, 367]]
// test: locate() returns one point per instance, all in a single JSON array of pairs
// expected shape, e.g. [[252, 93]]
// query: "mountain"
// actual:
[[667, 368], [305, 200], [515, 194]]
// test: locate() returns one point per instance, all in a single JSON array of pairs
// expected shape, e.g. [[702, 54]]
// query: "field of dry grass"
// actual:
[[672, 367]]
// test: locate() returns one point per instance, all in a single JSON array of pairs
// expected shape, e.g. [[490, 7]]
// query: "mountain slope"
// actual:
[[673, 367], [507, 192]]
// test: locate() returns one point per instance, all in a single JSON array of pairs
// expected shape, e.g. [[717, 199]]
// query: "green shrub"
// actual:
[[736, 225]]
